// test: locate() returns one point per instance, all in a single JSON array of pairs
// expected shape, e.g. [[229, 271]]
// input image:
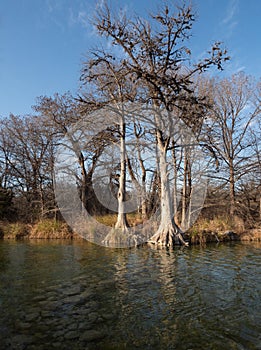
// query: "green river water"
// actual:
[[75, 295]]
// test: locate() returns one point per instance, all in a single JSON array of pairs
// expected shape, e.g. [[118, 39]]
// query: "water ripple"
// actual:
[[82, 296]]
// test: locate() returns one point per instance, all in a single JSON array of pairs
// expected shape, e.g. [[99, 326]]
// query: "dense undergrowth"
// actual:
[[203, 231]]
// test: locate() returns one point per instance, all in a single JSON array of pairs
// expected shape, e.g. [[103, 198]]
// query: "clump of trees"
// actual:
[[148, 64]]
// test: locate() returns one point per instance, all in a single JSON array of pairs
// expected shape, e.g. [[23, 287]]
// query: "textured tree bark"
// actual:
[[83, 181], [260, 205], [120, 235], [140, 188], [168, 233], [232, 189], [184, 191], [122, 219], [175, 186]]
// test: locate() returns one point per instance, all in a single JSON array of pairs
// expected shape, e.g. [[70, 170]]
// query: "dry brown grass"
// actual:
[[216, 225], [133, 219], [15, 230], [253, 235], [51, 229], [222, 228]]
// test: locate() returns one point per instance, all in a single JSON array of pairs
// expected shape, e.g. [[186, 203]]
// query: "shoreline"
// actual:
[[19, 231]]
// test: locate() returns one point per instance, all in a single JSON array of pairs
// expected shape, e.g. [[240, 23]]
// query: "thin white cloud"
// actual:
[[229, 22], [83, 18], [232, 25], [228, 26], [77, 17], [236, 64], [231, 12], [240, 69], [72, 20]]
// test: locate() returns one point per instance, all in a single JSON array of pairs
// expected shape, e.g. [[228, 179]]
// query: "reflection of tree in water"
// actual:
[[146, 295]]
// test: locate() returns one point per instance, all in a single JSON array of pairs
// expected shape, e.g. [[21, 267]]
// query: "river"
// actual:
[[76, 295]]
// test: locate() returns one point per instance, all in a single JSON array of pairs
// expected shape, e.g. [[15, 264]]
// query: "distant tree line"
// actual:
[[148, 63]]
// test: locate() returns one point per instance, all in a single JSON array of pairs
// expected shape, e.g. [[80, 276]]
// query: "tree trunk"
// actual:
[[184, 192], [120, 236], [232, 189], [175, 185], [122, 219], [168, 233], [140, 188], [260, 205], [83, 181]]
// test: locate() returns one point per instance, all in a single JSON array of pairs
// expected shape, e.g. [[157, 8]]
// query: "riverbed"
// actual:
[[77, 295]]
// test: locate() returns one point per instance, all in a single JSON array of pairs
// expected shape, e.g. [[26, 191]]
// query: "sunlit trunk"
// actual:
[[121, 235], [122, 220], [175, 186], [184, 193], [168, 233], [165, 198]]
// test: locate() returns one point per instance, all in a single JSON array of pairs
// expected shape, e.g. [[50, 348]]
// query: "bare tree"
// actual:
[[113, 90], [233, 113], [63, 114], [27, 146], [254, 171], [156, 57]]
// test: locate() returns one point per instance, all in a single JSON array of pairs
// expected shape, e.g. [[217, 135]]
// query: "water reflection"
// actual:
[[81, 296]]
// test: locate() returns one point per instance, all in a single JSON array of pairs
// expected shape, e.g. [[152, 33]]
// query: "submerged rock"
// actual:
[[91, 335], [71, 335]]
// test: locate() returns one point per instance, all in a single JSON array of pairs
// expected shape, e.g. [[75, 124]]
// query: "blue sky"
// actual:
[[43, 42]]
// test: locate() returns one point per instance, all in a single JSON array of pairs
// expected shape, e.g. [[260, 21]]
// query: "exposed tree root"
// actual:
[[121, 238], [168, 235]]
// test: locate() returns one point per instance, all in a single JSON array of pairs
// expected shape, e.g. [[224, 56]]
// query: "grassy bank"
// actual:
[[222, 229], [203, 231], [44, 229]]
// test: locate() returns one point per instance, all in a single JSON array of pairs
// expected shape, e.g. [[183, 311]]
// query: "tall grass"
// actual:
[[49, 228], [14, 230]]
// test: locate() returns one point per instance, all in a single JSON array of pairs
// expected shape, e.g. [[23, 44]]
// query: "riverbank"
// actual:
[[203, 237], [45, 229], [198, 234]]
